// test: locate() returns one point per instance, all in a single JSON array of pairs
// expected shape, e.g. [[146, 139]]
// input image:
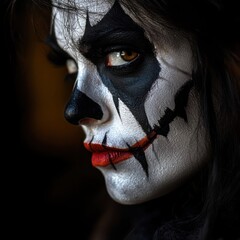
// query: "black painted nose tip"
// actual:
[[80, 106], [71, 114]]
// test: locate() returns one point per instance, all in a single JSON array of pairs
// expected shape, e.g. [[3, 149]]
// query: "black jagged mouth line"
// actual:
[[181, 100], [111, 162], [104, 143], [163, 128], [90, 143]]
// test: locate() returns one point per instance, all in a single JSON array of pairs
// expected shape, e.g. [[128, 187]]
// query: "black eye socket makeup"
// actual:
[[116, 34], [122, 55]]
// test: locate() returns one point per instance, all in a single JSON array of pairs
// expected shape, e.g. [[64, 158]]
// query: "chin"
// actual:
[[128, 196], [132, 187]]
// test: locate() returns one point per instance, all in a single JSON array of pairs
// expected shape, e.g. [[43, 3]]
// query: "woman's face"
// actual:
[[134, 98]]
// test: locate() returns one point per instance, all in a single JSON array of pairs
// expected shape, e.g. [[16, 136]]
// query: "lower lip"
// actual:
[[111, 156], [103, 159]]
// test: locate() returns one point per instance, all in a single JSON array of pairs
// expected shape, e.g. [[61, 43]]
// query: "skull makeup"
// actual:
[[134, 98]]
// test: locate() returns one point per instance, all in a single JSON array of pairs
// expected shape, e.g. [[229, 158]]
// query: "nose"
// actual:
[[80, 107]]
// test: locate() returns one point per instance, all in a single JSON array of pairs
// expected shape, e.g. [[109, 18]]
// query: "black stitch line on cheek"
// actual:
[[154, 151], [181, 100], [139, 154], [90, 143], [104, 142], [110, 160]]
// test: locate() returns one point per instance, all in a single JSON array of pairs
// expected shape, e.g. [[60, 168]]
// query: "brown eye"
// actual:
[[128, 55], [119, 58]]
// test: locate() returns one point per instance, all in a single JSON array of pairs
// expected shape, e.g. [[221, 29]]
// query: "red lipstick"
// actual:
[[104, 155]]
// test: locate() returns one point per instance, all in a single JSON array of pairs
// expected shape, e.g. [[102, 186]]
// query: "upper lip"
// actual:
[[143, 143], [95, 147]]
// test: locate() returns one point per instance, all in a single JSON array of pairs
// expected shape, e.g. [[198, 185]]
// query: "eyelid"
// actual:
[[118, 48]]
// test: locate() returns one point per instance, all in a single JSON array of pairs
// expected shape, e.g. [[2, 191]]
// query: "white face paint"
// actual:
[[134, 99]]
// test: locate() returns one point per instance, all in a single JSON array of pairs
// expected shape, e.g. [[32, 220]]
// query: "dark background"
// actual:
[[49, 185]]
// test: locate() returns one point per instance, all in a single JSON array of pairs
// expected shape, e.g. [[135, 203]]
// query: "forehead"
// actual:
[[90, 20], [94, 6], [71, 17]]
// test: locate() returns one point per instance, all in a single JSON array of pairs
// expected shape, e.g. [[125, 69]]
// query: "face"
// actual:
[[134, 98]]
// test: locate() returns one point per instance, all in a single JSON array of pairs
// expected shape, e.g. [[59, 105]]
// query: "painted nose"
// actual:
[[81, 107]]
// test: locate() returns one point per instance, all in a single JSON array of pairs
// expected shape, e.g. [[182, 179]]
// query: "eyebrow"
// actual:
[[115, 25]]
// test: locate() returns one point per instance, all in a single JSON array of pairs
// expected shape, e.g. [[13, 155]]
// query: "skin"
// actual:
[[134, 98]]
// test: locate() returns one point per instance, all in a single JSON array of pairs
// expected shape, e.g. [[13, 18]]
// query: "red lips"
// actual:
[[104, 155]]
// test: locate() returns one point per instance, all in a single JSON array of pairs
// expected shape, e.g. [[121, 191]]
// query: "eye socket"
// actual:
[[119, 58]]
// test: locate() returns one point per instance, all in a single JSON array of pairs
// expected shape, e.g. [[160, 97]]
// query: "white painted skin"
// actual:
[[171, 160]]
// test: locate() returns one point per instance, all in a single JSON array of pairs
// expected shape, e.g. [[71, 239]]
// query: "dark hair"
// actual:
[[212, 27]]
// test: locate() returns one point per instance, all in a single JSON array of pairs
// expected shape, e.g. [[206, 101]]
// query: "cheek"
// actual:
[[122, 128], [160, 97], [167, 170], [171, 162], [118, 121], [173, 75], [126, 122], [181, 154]]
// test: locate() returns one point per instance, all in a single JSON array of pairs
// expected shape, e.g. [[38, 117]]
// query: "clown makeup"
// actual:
[[134, 98]]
